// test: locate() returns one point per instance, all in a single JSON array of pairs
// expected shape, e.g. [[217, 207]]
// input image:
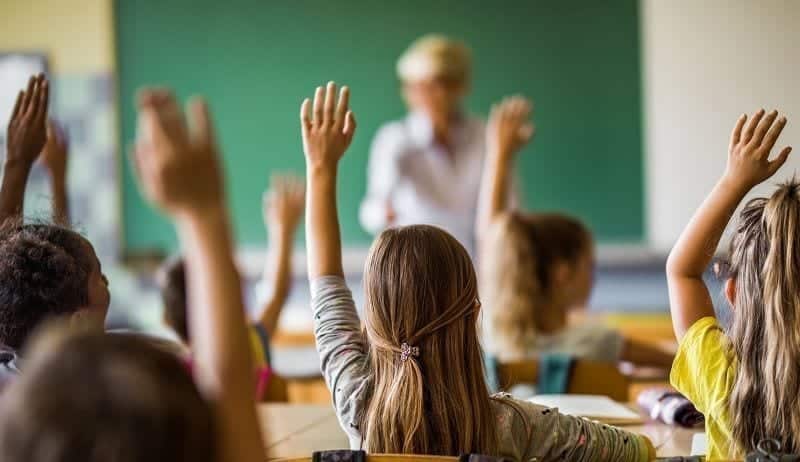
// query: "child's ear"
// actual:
[[562, 272], [730, 291], [84, 317]]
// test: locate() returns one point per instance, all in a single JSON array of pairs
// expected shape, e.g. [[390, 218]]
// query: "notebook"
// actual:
[[594, 407], [699, 444]]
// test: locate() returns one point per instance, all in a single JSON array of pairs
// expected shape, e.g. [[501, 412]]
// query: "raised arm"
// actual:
[[748, 165], [25, 139], [283, 208], [509, 129], [179, 172], [326, 137], [54, 157]]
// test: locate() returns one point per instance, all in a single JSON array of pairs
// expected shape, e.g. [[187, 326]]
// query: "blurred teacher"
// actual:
[[426, 168]]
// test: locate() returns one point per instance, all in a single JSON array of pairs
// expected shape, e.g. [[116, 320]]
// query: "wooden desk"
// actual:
[[299, 430]]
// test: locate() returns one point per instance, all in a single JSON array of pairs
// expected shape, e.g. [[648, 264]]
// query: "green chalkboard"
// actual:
[[255, 60]]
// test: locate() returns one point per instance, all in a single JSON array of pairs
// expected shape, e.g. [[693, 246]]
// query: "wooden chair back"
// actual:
[[388, 458], [588, 377]]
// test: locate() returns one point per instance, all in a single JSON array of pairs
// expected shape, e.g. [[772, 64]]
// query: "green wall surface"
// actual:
[[256, 60]]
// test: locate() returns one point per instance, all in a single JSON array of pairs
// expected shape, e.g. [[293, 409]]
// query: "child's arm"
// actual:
[[748, 165], [555, 436], [337, 329], [508, 130], [25, 139], [325, 139], [283, 209], [179, 172], [54, 157]]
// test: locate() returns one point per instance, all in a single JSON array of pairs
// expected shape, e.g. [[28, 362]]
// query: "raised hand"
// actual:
[[748, 155], [27, 132], [327, 136], [178, 167], [54, 154], [509, 127], [283, 205]]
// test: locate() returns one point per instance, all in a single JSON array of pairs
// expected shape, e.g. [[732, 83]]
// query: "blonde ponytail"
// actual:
[[765, 334]]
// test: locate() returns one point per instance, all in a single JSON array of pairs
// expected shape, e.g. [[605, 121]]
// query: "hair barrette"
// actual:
[[407, 350]]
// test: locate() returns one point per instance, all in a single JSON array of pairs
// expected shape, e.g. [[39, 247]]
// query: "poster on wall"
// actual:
[[15, 69]]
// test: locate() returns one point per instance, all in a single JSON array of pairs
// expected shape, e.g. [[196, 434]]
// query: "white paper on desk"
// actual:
[[699, 444], [594, 407]]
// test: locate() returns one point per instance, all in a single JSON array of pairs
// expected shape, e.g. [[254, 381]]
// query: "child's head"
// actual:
[[534, 267], [172, 281], [91, 396], [47, 271], [430, 396], [764, 291], [435, 72]]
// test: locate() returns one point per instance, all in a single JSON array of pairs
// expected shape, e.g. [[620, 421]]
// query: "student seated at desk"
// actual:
[[413, 381], [536, 267], [745, 379], [283, 209], [91, 397], [47, 270]]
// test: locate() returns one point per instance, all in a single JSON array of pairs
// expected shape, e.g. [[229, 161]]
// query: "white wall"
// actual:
[[705, 62]]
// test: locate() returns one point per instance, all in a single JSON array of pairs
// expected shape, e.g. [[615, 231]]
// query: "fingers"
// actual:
[[44, 98], [526, 132], [330, 101], [748, 132], [35, 108], [343, 106], [736, 135], [305, 116], [27, 95], [154, 130], [202, 126], [17, 105], [772, 136], [762, 128], [778, 162], [319, 100], [349, 126]]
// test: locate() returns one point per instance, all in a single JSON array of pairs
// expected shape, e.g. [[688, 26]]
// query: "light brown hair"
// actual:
[[89, 396], [517, 260], [765, 331], [421, 290]]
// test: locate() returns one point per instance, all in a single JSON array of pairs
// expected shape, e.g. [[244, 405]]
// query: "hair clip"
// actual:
[[407, 350]]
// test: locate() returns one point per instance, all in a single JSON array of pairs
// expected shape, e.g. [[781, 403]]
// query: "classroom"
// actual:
[[393, 231]]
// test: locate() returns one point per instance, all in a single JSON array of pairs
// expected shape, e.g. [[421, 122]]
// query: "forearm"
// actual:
[[224, 368], [12, 190], [60, 204], [323, 238], [494, 190], [279, 269], [696, 246]]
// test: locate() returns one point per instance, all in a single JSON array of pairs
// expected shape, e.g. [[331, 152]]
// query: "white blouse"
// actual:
[[423, 182]]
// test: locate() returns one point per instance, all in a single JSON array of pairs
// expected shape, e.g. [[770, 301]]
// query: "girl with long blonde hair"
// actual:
[[746, 380], [412, 381]]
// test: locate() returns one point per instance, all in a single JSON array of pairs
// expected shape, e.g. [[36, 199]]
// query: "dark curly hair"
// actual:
[[172, 282], [44, 272], [89, 396]]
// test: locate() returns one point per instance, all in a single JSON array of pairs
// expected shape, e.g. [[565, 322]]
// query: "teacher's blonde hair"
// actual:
[[435, 56]]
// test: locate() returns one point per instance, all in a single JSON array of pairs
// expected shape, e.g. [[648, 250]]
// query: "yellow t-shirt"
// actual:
[[704, 371]]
